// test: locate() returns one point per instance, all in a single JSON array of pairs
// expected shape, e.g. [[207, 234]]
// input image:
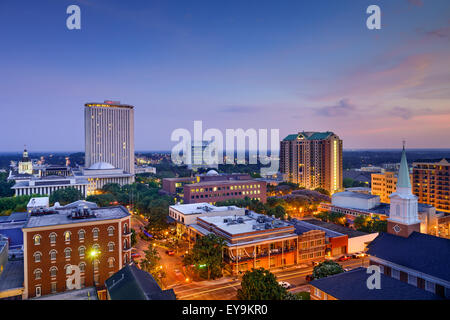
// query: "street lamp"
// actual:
[[94, 254]]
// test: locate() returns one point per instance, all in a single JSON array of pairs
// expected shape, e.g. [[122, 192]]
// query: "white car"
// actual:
[[285, 284]]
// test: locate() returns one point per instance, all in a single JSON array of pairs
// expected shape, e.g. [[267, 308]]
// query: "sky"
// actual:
[[287, 65]]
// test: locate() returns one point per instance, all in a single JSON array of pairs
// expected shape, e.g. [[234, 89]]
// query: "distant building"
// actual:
[[109, 135], [352, 285], [144, 169], [25, 165], [132, 283], [48, 185], [313, 160], [384, 184], [431, 182], [100, 174], [199, 158], [59, 237]]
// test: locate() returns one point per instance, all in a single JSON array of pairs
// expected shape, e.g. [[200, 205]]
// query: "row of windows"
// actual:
[[68, 235], [238, 187], [226, 194], [68, 252], [312, 255], [54, 270]]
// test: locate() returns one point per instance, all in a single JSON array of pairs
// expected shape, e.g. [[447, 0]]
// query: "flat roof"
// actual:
[[336, 228], [108, 104], [351, 194], [60, 217], [352, 285], [217, 182], [301, 226], [12, 276], [201, 208]]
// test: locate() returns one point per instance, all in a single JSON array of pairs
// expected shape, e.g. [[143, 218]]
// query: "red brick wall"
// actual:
[[45, 247]]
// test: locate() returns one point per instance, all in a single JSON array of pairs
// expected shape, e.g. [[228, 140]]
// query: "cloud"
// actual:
[[402, 112], [439, 33], [238, 109], [342, 108]]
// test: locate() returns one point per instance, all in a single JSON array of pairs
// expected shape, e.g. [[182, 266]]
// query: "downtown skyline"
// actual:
[[294, 66]]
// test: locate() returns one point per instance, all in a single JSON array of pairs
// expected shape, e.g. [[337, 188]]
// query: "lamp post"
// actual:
[[94, 254]]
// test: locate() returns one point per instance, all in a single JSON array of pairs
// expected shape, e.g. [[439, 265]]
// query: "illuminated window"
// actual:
[[67, 236], [37, 239], [111, 262]]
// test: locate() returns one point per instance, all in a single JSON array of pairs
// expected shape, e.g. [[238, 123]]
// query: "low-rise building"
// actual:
[[352, 285], [49, 184], [97, 240]]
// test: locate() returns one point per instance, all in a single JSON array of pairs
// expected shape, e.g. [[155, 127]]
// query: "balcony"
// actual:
[[126, 249]]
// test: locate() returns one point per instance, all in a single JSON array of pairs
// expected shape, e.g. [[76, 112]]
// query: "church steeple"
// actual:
[[403, 181]]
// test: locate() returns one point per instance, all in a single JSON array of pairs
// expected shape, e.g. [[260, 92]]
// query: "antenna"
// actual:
[[404, 143]]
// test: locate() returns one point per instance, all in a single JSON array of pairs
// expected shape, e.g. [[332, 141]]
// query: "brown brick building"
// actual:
[[214, 191], [431, 183], [313, 160], [55, 239]]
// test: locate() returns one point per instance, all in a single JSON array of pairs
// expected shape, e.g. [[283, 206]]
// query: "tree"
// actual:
[[66, 196], [151, 264], [5, 186], [102, 200], [260, 284], [206, 256], [323, 191], [327, 268], [133, 237]]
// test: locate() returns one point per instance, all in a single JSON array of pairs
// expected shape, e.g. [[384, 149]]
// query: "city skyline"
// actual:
[[294, 66]]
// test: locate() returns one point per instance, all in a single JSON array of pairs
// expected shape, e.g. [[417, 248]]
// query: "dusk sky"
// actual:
[[292, 65]]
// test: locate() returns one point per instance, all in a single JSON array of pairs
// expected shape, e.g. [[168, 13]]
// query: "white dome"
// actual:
[[101, 166], [212, 173]]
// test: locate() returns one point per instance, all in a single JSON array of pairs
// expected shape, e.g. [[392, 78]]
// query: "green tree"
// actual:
[[102, 200], [151, 264], [206, 256], [322, 191], [327, 268], [133, 237], [66, 196], [260, 284]]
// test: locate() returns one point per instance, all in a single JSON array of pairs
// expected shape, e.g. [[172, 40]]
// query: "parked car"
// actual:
[[359, 255], [285, 284], [309, 277], [170, 252], [344, 258]]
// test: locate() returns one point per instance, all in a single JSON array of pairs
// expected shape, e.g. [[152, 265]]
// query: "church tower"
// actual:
[[25, 165], [403, 217]]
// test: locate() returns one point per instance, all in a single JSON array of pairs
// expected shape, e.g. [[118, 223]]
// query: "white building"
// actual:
[[50, 184], [355, 200], [109, 135]]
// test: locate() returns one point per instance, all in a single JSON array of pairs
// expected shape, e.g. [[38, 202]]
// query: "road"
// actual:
[[226, 288]]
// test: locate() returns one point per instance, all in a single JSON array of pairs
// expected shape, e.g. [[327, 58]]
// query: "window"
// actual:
[[53, 255], [96, 263], [81, 234], [37, 240], [37, 274], [111, 246], [67, 236], [82, 267], [52, 238], [68, 271], [125, 228], [125, 244], [317, 293], [111, 231], [111, 262], [54, 287], [37, 257], [81, 251], [38, 291], [53, 271], [95, 233], [67, 253]]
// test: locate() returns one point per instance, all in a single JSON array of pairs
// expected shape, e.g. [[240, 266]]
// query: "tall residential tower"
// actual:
[[109, 134], [313, 160]]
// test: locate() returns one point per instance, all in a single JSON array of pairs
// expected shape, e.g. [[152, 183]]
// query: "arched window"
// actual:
[[53, 255], [111, 246], [82, 251], [111, 262], [82, 266], [81, 234], [110, 231], [125, 228], [125, 244], [37, 257], [37, 274], [53, 271], [95, 232], [37, 239], [96, 264], [66, 269], [52, 238], [67, 253], [67, 235], [125, 258]]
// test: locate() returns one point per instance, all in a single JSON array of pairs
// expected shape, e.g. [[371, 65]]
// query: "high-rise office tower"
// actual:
[[313, 160], [109, 134]]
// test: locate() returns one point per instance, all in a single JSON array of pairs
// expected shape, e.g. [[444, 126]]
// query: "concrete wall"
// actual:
[[358, 244]]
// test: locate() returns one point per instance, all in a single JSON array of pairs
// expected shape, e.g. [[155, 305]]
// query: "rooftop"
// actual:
[[351, 285], [89, 293], [351, 194], [38, 202], [61, 217], [334, 228], [12, 276], [309, 135], [421, 252], [201, 208], [220, 182], [132, 283], [108, 104]]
